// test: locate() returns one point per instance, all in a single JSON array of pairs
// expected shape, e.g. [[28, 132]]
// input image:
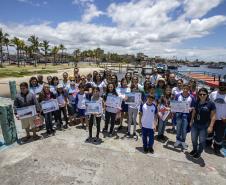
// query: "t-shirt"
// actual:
[[81, 101], [101, 86], [220, 103], [61, 100], [72, 92], [154, 78], [148, 116], [176, 91], [189, 99], [202, 116]]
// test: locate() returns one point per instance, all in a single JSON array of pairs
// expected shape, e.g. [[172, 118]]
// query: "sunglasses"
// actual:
[[202, 94]]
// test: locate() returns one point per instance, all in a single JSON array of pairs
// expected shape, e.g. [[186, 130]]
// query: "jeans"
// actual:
[[161, 127], [48, 121], [132, 117], [198, 133], [59, 119], [147, 133], [91, 121], [182, 124], [109, 116]]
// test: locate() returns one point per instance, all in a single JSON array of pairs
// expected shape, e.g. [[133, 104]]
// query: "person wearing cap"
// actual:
[[62, 101], [219, 99], [160, 88], [72, 91]]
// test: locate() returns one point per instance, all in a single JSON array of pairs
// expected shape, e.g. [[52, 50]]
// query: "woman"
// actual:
[[160, 88], [193, 88], [202, 121], [128, 78], [54, 84], [35, 88], [178, 89], [99, 83]]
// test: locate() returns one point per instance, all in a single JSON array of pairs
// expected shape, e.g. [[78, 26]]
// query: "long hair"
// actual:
[[31, 79], [53, 79], [203, 89], [95, 78], [114, 90]]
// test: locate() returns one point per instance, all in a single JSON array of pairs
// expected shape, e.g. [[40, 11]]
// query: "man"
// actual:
[[24, 99], [172, 82], [40, 80], [219, 99], [155, 76]]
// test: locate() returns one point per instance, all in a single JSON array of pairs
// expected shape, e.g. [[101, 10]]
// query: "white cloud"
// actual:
[[199, 8], [90, 13], [140, 26], [82, 2]]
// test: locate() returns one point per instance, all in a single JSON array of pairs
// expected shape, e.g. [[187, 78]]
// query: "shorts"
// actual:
[[28, 123], [124, 107], [81, 113]]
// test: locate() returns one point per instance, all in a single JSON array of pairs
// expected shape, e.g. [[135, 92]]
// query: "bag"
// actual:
[[38, 121]]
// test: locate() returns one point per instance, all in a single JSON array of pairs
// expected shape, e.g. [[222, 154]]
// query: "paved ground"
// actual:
[[66, 159]]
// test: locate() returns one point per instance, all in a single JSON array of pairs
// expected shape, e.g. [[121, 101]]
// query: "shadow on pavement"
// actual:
[[170, 146], [199, 161]]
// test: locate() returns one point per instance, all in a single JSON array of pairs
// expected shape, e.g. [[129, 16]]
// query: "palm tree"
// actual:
[[62, 48], [45, 47], [17, 43], [3, 36], [77, 53], [7, 42], [34, 45], [54, 51]]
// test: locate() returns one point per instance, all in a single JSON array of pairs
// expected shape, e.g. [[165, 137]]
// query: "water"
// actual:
[[203, 68]]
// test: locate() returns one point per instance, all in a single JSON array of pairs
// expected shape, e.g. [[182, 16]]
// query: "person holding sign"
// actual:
[[133, 110], [95, 117], [25, 99], [110, 99], [202, 121], [46, 95], [182, 118]]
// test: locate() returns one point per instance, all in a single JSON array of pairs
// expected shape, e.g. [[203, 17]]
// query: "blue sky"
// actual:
[[182, 28]]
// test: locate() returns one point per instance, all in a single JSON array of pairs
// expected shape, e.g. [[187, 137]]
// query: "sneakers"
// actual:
[[134, 135], [177, 144], [184, 145], [151, 150], [145, 150], [196, 155], [128, 135], [192, 153], [89, 139]]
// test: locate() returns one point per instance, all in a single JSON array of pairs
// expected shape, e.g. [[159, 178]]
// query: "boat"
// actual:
[[193, 65], [172, 67], [215, 66], [161, 68]]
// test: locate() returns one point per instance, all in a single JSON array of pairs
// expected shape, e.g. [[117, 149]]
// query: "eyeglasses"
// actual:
[[202, 94]]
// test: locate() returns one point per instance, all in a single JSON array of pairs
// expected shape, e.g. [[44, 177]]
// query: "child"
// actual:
[[80, 102], [46, 95], [62, 101], [110, 113], [95, 97], [132, 112], [149, 120], [183, 119], [164, 112]]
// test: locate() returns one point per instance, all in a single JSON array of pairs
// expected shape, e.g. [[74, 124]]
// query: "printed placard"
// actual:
[[132, 98], [114, 101], [94, 107], [179, 106], [49, 106], [26, 112]]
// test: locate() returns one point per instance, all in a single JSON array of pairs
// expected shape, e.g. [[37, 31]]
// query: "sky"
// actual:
[[192, 29]]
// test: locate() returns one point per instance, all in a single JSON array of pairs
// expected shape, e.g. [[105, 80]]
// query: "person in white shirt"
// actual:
[[149, 121], [155, 76], [219, 99]]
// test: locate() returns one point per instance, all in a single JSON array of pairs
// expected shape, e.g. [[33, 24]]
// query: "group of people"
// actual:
[[205, 118]]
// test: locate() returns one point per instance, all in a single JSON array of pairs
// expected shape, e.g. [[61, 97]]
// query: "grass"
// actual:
[[14, 71]]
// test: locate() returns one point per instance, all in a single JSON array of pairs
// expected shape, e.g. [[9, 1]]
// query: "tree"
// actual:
[[54, 52], [45, 47], [7, 42], [62, 48], [17, 43], [77, 53], [34, 45], [3, 37]]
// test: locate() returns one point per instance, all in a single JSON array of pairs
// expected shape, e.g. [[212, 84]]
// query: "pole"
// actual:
[[12, 87]]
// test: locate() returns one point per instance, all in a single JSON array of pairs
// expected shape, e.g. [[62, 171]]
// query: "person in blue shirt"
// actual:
[[202, 121]]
